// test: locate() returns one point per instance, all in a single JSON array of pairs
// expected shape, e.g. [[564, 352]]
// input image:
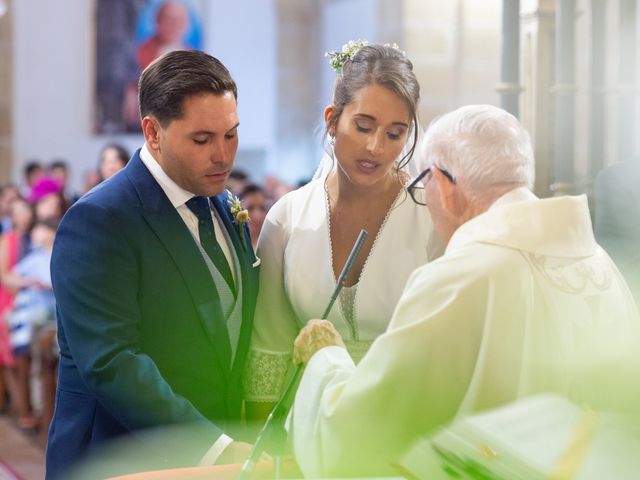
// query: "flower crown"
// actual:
[[337, 59]]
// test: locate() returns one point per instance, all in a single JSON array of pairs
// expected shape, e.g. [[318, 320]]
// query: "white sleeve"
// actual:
[[275, 324], [216, 450], [355, 421]]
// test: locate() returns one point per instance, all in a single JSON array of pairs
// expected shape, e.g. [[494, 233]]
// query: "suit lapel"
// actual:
[[165, 221], [219, 202], [249, 273], [244, 251]]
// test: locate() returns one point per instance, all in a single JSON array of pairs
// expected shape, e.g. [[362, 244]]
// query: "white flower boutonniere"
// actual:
[[240, 216]]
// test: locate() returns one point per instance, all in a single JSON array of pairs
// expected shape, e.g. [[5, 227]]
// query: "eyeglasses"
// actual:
[[416, 189]]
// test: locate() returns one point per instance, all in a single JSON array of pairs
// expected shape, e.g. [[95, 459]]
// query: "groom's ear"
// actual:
[[151, 132]]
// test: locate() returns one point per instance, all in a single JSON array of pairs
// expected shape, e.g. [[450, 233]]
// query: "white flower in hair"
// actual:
[[338, 58]]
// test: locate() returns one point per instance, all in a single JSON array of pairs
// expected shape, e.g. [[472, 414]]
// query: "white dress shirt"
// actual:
[[178, 197]]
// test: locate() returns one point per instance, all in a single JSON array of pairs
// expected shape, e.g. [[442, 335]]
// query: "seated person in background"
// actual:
[[58, 170], [8, 194], [112, 159], [32, 172], [49, 358], [34, 303], [254, 200], [523, 301], [237, 181], [33, 308], [43, 187], [14, 245]]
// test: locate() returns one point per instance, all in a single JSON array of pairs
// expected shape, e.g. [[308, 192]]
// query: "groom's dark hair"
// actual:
[[174, 76]]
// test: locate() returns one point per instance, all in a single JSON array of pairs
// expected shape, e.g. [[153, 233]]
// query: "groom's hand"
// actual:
[[315, 335]]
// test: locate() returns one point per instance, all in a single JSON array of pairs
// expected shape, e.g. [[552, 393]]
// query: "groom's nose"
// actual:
[[222, 152]]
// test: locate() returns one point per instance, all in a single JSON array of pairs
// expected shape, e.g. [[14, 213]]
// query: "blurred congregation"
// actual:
[[568, 70]]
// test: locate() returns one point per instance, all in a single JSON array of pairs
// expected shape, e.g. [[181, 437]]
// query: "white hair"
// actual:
[[481, 146]]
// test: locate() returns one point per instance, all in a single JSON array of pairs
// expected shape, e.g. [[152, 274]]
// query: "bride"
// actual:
[[308, 235]]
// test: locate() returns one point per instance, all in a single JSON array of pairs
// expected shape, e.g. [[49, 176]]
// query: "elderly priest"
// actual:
[[523, 301]]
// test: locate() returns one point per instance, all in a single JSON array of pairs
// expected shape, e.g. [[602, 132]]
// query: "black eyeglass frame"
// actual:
[[413, 186]]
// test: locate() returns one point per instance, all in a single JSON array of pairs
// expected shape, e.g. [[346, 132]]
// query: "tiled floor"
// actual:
[[24, 454]]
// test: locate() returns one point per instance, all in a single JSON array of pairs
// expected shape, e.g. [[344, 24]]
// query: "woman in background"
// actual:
[[113, 158], [14, 245]]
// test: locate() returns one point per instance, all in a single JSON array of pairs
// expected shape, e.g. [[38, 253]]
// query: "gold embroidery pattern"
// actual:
[[570, 275]]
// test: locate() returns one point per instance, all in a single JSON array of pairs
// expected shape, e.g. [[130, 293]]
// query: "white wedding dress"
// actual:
[[297, 280]]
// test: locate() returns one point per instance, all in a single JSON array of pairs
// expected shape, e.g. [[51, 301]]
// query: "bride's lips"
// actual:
[[367, 165]]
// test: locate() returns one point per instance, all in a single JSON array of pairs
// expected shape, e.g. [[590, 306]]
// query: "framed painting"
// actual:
[[130, 34]]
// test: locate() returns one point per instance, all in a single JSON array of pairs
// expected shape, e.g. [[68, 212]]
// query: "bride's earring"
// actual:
[[332, 143]]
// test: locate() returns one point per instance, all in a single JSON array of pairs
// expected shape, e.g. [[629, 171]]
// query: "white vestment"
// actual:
[[522, 302], [297, 280]]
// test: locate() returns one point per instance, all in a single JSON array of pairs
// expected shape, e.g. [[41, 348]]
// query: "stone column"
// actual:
[[390, 25], [627, 81], [597, 88], [6, 93], [509, 86], [564, 92], [536, 40], [298, 84]]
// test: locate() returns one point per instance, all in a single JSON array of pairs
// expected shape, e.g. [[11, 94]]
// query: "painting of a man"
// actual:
[[172, 22], [130, 35]]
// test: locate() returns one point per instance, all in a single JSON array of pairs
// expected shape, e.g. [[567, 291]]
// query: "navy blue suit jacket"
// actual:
[[143, 341]]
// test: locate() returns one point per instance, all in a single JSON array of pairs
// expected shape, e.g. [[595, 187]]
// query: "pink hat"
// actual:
[[44, 186]]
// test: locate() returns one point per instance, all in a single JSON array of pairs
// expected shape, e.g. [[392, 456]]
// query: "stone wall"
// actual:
[[6, 93]]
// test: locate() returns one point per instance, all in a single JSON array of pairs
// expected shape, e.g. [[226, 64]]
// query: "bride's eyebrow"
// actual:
[[233, 128], [372, 118]]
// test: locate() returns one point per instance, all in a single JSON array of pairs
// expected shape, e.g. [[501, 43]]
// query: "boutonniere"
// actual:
[[240, 216]]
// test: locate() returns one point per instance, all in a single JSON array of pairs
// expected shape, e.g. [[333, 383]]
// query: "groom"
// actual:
[[156, 280]]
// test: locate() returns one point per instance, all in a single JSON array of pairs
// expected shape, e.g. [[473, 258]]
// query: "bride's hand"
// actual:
[[315, 335]]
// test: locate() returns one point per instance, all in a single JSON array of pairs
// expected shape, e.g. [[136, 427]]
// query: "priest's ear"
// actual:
[[151, 131], [453, 201]]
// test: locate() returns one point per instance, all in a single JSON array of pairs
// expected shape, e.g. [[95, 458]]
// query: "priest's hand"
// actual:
[[315, 335]]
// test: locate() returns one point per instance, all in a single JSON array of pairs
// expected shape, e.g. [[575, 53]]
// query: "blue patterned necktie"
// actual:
[[200, 207]]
